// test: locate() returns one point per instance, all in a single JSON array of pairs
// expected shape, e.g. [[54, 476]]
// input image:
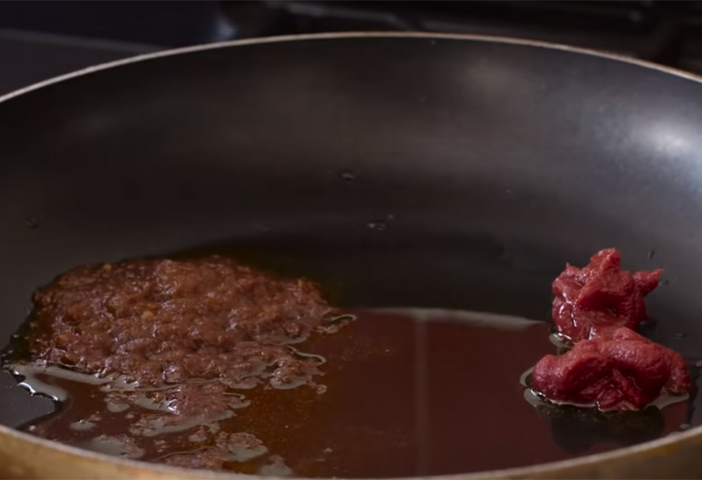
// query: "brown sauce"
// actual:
[[406, 393]]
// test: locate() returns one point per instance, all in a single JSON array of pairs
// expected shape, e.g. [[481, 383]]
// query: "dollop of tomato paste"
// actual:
[[616, 370], [610, 366], [599, 297]]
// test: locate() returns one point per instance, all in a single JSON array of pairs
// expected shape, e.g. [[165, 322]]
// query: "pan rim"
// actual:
[[351, 35], [655, 447], [555, 469]]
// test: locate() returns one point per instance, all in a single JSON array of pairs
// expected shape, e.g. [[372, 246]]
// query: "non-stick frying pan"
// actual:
[[423, 170]]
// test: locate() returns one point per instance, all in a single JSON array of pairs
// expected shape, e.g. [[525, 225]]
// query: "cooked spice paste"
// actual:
[[149, 323], [610, 365], [179, 340]]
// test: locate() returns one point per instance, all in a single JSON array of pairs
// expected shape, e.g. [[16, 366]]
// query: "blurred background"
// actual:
[[41, 39]]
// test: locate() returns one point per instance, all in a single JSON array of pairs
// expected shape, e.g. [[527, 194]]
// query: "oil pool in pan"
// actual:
[[370, 393]]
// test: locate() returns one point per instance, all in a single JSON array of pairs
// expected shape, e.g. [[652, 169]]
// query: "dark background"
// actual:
[[41, 39]]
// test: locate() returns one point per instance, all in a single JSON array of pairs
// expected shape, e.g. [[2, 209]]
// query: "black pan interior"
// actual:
[[430, 172]]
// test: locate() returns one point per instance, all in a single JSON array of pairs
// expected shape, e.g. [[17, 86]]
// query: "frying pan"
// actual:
[[427, 170]]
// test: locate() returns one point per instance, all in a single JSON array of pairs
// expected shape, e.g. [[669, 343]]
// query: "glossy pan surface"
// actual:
[[424, 170]]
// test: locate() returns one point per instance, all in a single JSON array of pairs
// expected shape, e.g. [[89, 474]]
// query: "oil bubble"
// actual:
[[347, 176]]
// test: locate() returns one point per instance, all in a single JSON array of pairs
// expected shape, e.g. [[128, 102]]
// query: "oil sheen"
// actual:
[[404, 392]]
